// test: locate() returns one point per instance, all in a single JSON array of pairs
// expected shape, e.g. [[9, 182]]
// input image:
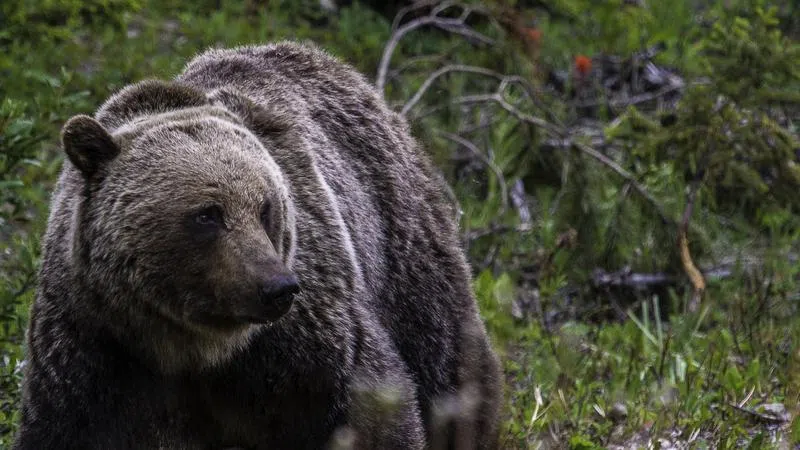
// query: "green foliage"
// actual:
[[19, 136], [617, 27], [723, 134], [749, 60], [672, 374], [41, 20]]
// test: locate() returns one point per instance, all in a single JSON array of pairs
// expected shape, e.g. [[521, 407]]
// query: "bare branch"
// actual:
[[466, 31], [445, 70], [413, 61], [457, 26], [569, 142], [442, 7], [521, 116], [505, 81], [520, 202], [494, 229]]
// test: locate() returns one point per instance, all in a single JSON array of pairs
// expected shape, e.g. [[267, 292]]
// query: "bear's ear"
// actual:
[[261, 120], [87, 144]]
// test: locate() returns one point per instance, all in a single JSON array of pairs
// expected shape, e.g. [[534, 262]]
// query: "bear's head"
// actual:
[[184, 230]]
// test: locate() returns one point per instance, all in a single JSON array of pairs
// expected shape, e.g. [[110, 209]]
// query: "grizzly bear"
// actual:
[[256, 255]]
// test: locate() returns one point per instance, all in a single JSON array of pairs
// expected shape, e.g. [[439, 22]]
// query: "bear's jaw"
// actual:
[[189, 350], [172, 350]]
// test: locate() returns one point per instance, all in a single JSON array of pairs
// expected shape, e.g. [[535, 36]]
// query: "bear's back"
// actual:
[[392, 203]]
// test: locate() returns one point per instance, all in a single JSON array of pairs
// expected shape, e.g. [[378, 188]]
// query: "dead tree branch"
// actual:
[[511, 109], [445, 70], [635, 100], [401, 14], [454, 25], [505, 81]]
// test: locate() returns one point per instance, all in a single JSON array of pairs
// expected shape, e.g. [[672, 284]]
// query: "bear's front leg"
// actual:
[[383, 411]]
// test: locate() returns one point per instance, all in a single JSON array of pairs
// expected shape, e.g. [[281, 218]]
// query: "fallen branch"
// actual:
[[645, 281], [635, 100], [629, 279]]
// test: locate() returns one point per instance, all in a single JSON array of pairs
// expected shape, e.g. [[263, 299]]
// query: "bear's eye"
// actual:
[[209, 218], [266, 212]]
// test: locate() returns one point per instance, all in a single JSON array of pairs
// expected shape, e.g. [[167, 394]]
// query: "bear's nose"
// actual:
[[277, 294]]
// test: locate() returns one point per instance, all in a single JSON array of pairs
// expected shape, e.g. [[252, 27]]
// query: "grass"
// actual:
[[677, 380]]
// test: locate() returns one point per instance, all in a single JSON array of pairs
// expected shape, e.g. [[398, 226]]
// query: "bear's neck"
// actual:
[[173, 348]]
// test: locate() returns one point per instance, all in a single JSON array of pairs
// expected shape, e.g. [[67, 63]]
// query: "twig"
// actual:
[[501, 181], [505, 81], [445, 70], [695, 276], [435, 58], [497, 98], [453, 25]]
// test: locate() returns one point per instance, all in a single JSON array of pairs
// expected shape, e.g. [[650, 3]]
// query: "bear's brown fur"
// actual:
[[255, 255]]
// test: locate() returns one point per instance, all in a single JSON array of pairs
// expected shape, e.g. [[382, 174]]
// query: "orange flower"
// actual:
[[583, 64], [534, 34]]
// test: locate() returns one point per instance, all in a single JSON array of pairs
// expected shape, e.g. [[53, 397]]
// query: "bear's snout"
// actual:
[[276, 295]]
